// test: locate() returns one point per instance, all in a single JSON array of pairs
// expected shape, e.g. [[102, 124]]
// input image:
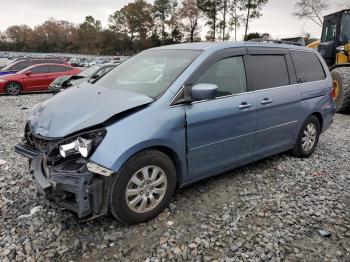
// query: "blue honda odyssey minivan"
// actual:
[[171, 116]]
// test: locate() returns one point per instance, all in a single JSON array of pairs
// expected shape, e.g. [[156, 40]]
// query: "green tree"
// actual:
[[253, 11], [236, 18], [134, 20], [225, 5], [162, 9], [252, 36], [210, 9], [89, 34]]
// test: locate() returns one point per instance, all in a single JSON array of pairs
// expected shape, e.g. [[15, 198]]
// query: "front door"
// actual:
[[37, 80], [221, 132]]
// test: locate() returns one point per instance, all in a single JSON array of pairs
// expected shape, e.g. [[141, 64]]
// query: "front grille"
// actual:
[[40, 144], [48, 147]]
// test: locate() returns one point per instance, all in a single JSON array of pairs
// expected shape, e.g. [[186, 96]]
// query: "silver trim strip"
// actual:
[[237, 137], [250, 92], [97, 169]]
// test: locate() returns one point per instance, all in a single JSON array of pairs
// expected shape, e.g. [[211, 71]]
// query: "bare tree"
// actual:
[[311, 10], [344, 4], [190, 15]]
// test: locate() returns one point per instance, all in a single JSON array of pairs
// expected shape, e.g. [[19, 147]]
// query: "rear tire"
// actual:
[[13, 88], [341, 84], [308, 138], [143, 187]]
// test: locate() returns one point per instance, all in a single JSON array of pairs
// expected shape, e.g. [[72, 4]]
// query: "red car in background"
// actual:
[[34, 78]]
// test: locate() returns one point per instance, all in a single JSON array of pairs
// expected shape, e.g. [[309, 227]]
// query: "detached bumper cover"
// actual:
[[27, 151], [84, 193]]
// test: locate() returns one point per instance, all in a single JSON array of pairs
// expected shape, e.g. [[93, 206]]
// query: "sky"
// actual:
[[276, 20]]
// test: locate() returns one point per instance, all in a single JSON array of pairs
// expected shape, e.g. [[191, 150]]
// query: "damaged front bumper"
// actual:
[[75, 184]]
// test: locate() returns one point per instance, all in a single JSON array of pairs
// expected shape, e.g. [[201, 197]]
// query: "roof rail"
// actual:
[[264, 40]]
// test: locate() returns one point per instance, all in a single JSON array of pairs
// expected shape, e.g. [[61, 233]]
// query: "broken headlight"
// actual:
[[83, 144]]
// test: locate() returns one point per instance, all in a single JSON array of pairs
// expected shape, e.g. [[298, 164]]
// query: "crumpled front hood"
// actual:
[[81, 107]]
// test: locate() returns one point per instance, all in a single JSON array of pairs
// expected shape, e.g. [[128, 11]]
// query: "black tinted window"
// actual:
[[329, 31], [21, 65], [228, 74], [308, 67], [59, 68], [267, 71], [40, 70]]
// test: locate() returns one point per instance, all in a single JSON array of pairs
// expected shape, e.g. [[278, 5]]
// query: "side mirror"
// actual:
[[204, 92], [28, 73]]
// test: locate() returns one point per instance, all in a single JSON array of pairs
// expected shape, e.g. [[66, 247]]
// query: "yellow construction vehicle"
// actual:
[[335, 49]]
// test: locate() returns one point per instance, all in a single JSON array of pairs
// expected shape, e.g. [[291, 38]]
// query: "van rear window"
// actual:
[[308, 67]]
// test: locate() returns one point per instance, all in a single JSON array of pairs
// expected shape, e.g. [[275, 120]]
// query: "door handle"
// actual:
[[266, 101], [245, 105]]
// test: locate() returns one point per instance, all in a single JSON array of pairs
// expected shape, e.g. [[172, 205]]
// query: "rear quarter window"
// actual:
[[267, 71], [40, 69], [54, 69], [308, 67]]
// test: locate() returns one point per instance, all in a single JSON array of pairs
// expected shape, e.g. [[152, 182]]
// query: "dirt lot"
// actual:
[[279, 209]]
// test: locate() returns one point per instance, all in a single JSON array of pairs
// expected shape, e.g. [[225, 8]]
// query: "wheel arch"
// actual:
[[319, 117], [165, 149], [174, 158]]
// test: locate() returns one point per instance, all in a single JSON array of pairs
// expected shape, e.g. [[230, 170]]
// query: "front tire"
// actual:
[[143, 187], [308, 138], [13, 88]]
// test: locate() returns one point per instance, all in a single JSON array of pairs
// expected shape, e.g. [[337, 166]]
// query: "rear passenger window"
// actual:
[[308, 67], [267, 71], [228, 74], [21, 65], [59, 68], [40, 70]]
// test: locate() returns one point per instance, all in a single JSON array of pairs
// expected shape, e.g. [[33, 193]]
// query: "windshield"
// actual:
[[150, 72], [7, 67], [329, 31], [345, 28], [89, 71]]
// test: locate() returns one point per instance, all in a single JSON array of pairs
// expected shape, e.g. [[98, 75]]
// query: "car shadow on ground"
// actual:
[[189, 193], [28, 93]]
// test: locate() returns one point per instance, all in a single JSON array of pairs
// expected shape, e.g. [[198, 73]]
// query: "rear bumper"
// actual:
[[84, 193], [328, 115]]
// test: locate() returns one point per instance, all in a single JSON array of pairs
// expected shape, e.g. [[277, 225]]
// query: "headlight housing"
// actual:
[[84, 144], [341, 48]]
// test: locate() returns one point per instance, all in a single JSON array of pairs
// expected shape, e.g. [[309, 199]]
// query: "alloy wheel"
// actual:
[[309, 137], [13, 89], [146, 189]]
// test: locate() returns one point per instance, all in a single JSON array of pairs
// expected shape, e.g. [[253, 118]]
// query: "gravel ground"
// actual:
[[278, 209]]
